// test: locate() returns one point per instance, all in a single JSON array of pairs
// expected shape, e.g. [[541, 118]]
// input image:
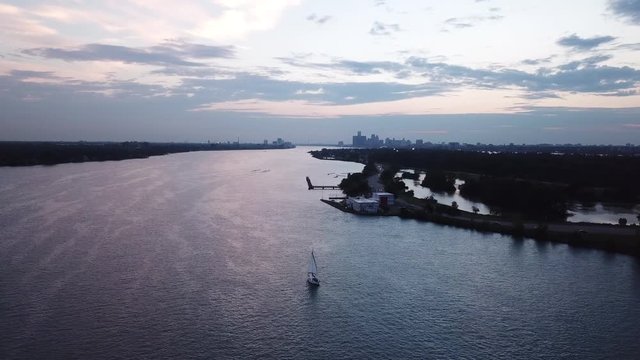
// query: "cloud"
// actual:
[[582, 44], [243, 86], [349, 66], [319, 91], [632, 47], [320, 20], [126, 110], [470, 21], [458, 23], [587, 75], [474, 102], [626, 9], [237, 18], [17, 25], [619, 93], [421, 83], [366, 68], [45, 85], [168, 53], [541, 95], [538, 61], [28, 74], [590, 61], [194, 50], [381, 29]]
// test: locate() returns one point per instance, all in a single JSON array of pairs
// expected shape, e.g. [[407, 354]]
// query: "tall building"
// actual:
[[359, 140]]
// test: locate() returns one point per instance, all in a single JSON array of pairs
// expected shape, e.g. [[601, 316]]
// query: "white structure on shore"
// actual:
[[362, 205], [371, 205]]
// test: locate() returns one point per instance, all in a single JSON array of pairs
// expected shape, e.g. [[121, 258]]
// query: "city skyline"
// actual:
[[489, 71]]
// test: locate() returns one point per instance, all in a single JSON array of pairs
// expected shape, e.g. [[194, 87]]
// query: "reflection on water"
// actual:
[[603, 213], [204, 255]]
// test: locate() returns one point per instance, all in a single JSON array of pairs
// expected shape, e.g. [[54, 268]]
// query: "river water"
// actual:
[[203, 255]]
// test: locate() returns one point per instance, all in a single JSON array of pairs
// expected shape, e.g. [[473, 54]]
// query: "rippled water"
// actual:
[[203, 255]]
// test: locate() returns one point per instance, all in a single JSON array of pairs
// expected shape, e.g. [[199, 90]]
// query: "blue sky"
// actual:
[[316, 71]]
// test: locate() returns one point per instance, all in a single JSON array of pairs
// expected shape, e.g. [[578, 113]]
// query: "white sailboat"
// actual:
[[312, 270]]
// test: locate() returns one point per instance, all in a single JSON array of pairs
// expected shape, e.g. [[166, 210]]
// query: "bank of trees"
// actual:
[[355, 184], [537, 185], [392, 183], [532, 200], [439, 181], [17, 153]]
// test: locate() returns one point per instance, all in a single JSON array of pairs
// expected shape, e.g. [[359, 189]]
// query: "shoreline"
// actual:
[[622, 239], [610, 238], [14, 154]]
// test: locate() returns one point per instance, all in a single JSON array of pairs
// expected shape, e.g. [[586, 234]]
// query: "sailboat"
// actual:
[[312, 270]]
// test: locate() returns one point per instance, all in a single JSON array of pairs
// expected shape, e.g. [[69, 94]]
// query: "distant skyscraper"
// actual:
[[359, 140]]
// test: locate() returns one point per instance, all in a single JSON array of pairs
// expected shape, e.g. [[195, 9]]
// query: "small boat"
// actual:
[[312, 270]]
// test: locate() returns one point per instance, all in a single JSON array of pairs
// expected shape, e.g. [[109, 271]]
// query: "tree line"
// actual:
[[50, 153], [537, 185]]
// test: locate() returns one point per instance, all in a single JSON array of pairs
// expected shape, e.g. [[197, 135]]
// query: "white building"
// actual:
[[384, 198], [363, 205]]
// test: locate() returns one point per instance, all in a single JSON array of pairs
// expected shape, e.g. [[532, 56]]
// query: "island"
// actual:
[[528, 191]]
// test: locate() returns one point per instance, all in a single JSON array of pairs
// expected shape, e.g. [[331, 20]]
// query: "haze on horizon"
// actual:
[[492, 71]]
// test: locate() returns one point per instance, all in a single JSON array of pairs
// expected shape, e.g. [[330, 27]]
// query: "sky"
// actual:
[[489, 71]]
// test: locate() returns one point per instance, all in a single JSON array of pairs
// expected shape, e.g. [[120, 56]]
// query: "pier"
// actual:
[[321, 187]]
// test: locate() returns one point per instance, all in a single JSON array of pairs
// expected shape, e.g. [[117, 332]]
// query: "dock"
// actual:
[[321, 187]]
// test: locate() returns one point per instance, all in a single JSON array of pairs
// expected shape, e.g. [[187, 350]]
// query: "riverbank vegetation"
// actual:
[[439, 181], [355, 184], [50, 153], [537, 186]]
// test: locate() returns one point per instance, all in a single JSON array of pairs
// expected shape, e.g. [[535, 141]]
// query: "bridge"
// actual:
[[321, 187]]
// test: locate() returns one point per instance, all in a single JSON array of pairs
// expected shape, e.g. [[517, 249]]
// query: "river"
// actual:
[[203, 255]]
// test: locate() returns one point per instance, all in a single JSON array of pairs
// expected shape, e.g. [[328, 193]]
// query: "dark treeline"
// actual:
[[392, 183], [356, 184], [439, 181], [536, 185], [533, 200], [617, 176], [50, 153]]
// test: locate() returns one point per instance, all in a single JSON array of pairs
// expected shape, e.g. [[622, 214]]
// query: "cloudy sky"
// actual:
[[499, 71]]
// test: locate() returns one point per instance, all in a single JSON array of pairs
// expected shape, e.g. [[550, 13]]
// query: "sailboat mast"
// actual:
[[312, 264]]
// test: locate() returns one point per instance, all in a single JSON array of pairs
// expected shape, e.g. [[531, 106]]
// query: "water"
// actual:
[[423, 192], [599, 213], [203, 255], [603, 213]]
